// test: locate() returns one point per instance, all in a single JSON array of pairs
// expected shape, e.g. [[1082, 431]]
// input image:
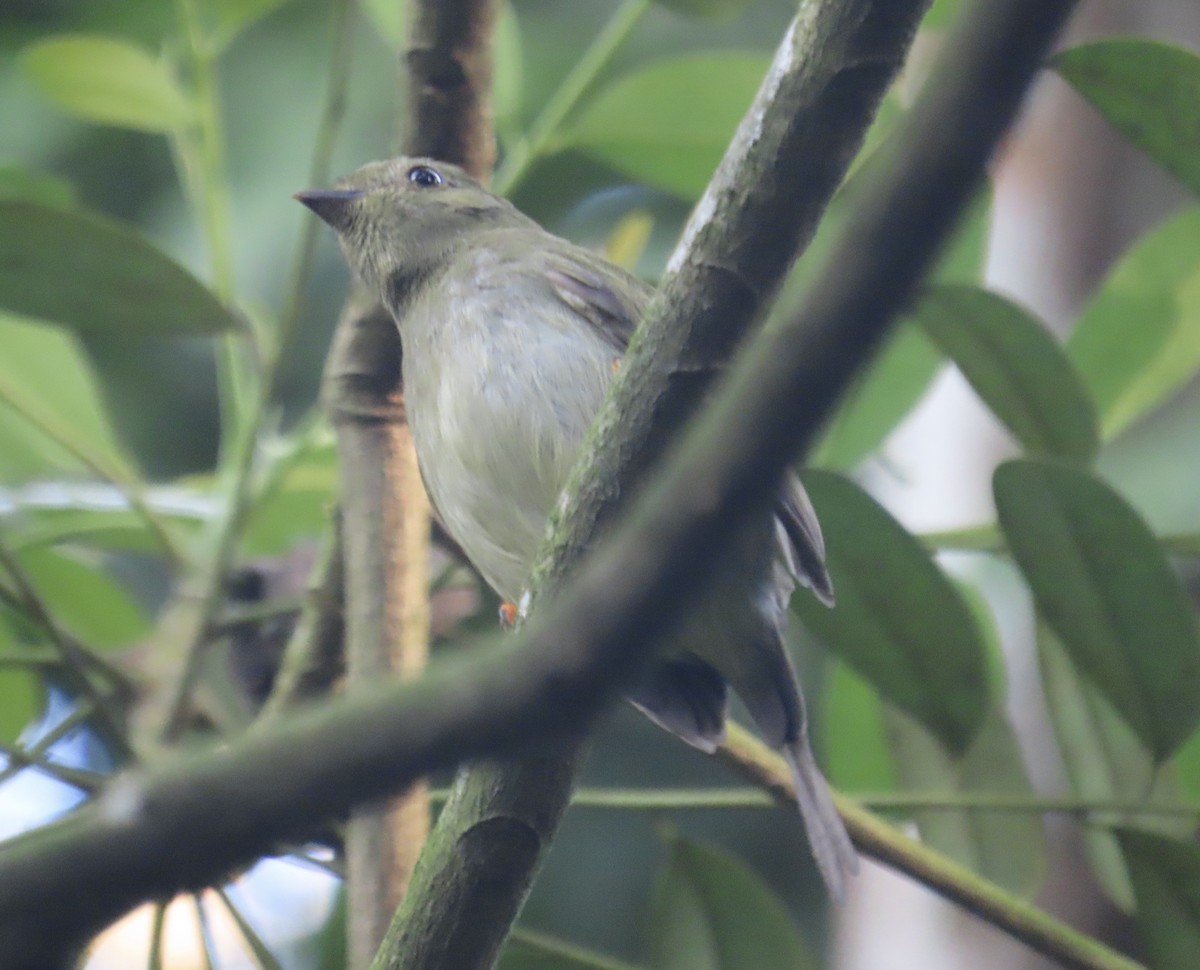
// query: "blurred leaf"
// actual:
[[388, 18], [108, 81], [536, 951], [668, 124], [20, 183], [965, 256], [1104, 585], [234, 16], [1006, 847], [894, 382], [898, 621], [20, 690], [854, 740], [709, 9], [628, 239], [508, 71], [84, 598], [906, 364], [712, 912], [941, 13], [92, 274], [298, 507], [47, 390], [1166, 883], [1015, 366], [1138, 341], [1149, 91], [1104, 760]]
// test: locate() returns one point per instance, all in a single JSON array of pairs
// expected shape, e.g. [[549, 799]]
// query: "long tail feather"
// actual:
[[835, 854]]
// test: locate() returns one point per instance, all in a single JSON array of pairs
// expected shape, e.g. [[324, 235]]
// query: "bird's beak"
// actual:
[[332, 205]]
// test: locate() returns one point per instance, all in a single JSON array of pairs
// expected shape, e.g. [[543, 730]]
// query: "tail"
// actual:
[[832, 849]]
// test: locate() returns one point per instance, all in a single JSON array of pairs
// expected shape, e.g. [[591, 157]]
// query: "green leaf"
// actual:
[[854, 740], [1006, 847], [20, 690], [234, 16], [92, 274], [907, 363], [108, 81], [387, 17], [1149, 92], [1104, 760], [508, 72], [668, 124], [899, 622], [941, 14], [1104, 585], [1016, 367], [712, 912], [1166, 882], [84, 598], [1138, 341], [894, 382], [50, 405], [708, 9], [298, 506], [20, 183], [526, 950]]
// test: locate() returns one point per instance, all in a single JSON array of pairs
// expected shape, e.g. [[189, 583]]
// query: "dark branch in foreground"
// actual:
[[187, 824]]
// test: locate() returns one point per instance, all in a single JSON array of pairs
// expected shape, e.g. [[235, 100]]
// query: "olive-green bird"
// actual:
[[510, 338]]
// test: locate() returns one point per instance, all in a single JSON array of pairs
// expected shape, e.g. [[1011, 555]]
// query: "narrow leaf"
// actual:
[[234, 16], [1138, 341], [708, 9], [92, 274], [858, 756], [83, 597], [1104, 585], [668, 124], [891, 387], [1006, 847], [20, 691], [1166, 883], [108, 81], [1104, 760], [20, 183], [712, 912], [57, 427], [898, 621], [1149, 91], [1016, 367]]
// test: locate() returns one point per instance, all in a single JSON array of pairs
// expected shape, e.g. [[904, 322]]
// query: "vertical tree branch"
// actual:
[[386, 513], [789, 155]]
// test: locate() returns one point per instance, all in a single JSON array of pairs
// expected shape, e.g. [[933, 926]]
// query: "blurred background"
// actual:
[[1068, 198]]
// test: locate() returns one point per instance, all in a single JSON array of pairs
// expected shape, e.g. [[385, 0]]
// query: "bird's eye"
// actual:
[[424, 176]]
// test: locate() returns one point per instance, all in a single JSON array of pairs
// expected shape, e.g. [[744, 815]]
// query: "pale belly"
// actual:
[[497, 441]]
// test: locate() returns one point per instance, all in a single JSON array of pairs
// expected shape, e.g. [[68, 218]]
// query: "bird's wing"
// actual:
[[605, 297], [804, 550]]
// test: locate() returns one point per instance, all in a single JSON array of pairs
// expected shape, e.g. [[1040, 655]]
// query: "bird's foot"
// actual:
[[508, 615]]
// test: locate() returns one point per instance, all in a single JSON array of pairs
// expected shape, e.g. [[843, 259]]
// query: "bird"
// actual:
[[510, 338]]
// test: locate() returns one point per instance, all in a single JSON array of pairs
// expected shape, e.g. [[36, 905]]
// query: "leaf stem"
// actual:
[[74, 657], [195, 612], [574, 86], [570, 953], [637, 799], [1005, 911]]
